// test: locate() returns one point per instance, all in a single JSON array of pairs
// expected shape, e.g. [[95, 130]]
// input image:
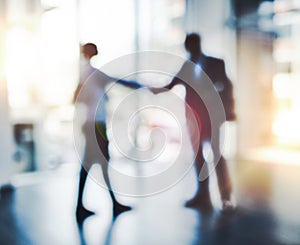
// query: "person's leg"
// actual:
[[81, 212], [82, 179], [202, 197], [198, 131], [222, 172], [117, 207], [224, 183], [103, 144]]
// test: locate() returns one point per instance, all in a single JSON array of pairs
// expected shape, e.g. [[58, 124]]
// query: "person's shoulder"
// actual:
[[214, 60], [187, 65], [101, 75]]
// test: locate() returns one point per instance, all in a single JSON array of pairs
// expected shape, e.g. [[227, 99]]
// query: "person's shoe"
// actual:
[[201, 203], [119, 208], [227, 206], [82, 213]]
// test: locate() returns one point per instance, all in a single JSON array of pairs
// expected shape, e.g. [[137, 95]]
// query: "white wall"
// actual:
[[6, 144]]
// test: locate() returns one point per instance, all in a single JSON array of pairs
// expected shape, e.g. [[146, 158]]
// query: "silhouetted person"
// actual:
[[215, 70], [96, 81]]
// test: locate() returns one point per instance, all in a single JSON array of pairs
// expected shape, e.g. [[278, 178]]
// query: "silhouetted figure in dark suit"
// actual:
[[95, 123], [215, 70]]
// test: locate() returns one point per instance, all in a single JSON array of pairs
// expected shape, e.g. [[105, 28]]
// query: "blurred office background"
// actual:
[[39, 71], [41, 58], [40, 68]]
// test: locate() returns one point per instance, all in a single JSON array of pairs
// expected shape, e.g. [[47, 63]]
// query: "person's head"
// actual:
[[192, 43], [89, 50]]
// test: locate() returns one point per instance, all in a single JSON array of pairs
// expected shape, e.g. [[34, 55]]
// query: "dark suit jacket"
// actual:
[[215, 70]]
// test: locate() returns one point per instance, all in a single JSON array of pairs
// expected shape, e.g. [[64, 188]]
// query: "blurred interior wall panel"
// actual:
[[5, 128]]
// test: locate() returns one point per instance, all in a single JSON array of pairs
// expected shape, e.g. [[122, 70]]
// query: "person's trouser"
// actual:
[[203, 134]]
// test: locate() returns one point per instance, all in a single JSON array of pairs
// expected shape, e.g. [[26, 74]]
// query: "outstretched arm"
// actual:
[[163, 89], [169, 86], [129, 84]]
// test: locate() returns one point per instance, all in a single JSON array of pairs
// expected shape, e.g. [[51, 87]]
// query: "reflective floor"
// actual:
[[41, 211]]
